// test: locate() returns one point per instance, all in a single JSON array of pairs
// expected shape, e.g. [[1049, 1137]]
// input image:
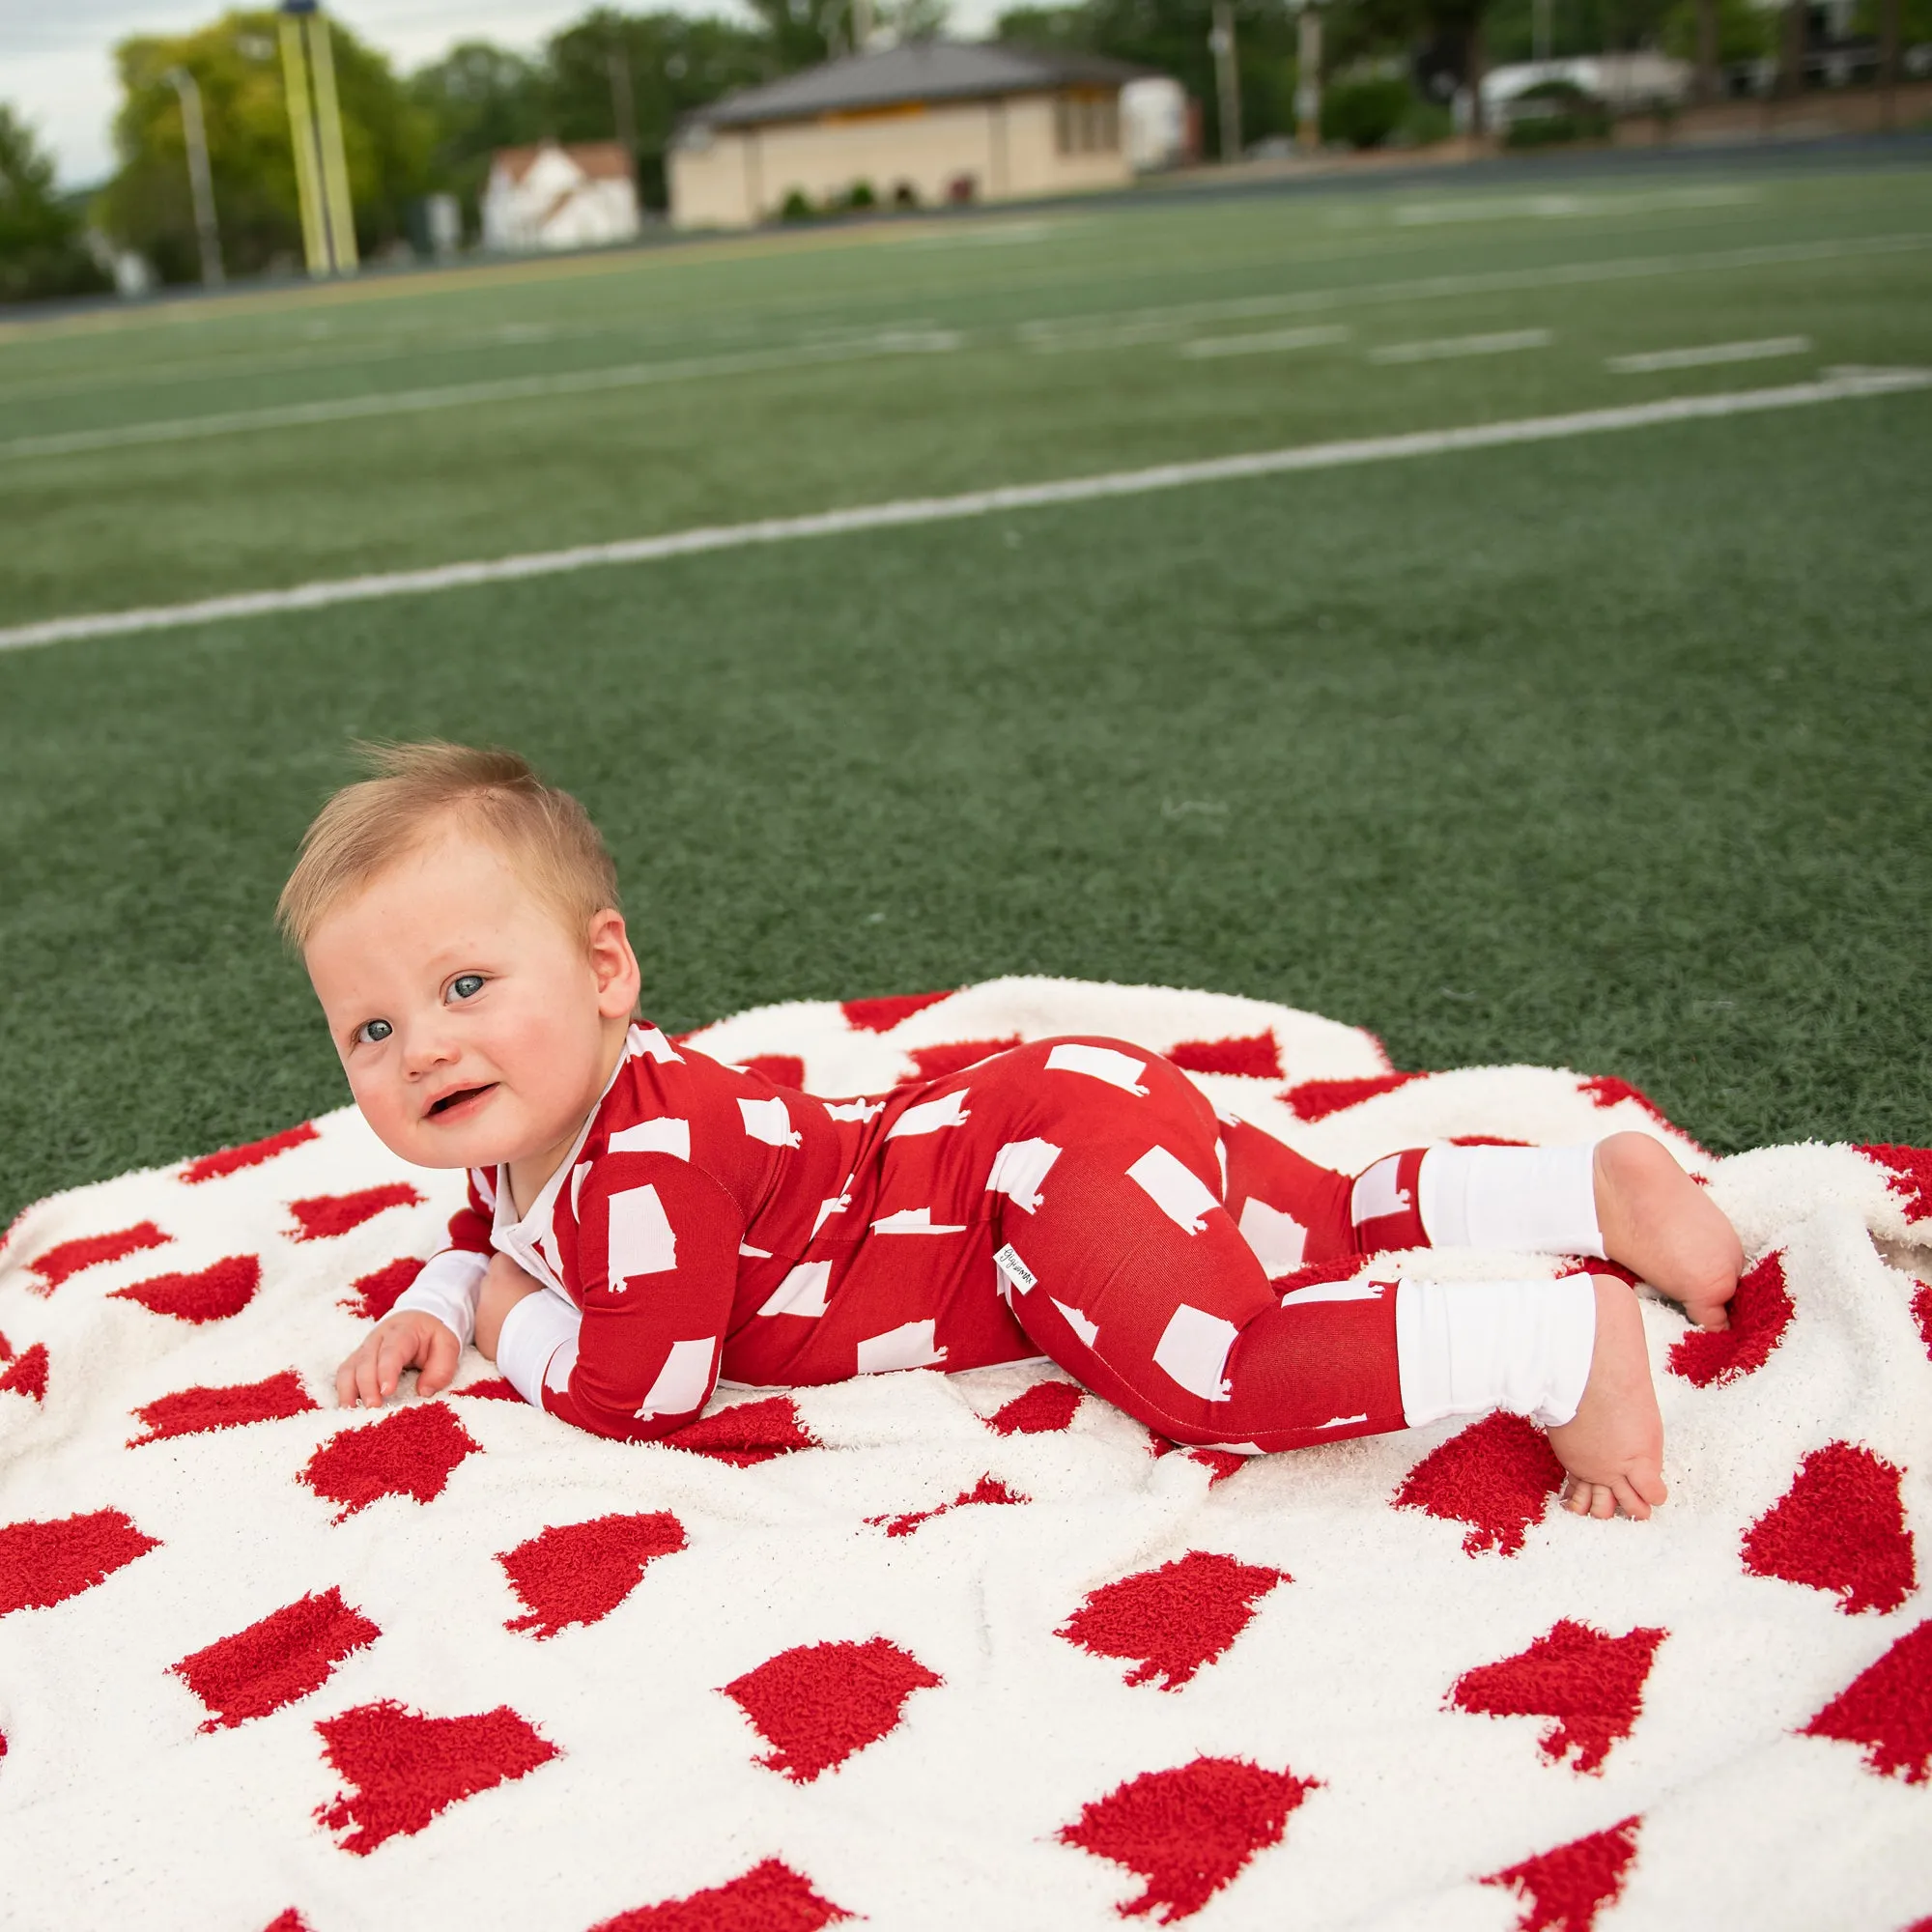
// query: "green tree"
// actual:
[[236, 63], [43, 248], [478, 98]]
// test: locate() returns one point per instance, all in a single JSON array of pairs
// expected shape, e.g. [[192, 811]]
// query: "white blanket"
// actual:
[[950, 1652]]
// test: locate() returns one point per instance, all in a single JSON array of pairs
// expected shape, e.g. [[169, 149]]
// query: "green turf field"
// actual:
[[1609, 751]]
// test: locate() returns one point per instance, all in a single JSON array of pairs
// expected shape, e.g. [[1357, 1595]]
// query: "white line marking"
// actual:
[[1508, 207], [1842, 387], [463, 395], [1704, 355], [1103, 330], [1499, 343], [1207, 345]]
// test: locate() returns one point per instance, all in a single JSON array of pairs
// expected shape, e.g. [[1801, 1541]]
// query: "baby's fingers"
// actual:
[[345, 1380], [397, 1352], [439, 1362]]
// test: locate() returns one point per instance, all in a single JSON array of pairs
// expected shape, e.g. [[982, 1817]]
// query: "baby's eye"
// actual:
[[372, 1033], [465, 985]]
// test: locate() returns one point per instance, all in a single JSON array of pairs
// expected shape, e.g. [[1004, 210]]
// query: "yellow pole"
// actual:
[[334, 163], [301, 134]]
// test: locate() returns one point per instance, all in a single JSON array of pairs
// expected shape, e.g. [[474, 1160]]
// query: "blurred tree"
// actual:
[[478, 98], [1745, 31], [42, 240], [236, 63]]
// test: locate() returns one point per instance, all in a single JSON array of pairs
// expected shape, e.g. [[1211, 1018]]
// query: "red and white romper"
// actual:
[[1077, 1199]]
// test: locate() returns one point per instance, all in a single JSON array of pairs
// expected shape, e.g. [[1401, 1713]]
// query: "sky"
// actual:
[[57, 60]]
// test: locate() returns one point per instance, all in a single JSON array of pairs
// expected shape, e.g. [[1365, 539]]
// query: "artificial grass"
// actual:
[[1608, 752]]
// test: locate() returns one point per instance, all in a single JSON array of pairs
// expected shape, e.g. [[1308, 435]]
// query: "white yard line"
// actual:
[[1707, 354], [1208, 347], [1445, 347], [466, 395], [1840, 388]]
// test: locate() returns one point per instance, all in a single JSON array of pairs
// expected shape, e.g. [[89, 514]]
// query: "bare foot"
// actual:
[[1661, 1226], [1613, 1445]]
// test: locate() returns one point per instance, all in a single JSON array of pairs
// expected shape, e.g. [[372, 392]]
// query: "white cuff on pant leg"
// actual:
[[1466, 1347], [1529, 1200]]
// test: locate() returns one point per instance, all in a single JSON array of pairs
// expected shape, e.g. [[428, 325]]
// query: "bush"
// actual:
[[797, 207], [1554, 111], [1364, 113], [43, 248], [860, 195]]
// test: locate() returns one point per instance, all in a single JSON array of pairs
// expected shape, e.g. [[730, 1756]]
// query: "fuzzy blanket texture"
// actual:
[[922, 1652]]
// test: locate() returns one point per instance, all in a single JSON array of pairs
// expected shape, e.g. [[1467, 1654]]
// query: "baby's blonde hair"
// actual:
[[414, 789]]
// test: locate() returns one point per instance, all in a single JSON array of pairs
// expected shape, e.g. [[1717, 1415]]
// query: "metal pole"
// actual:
[[623, 103], [302, 137], [328, 130], [1707, 50], [200, 184], [1887, 62], [1228, 78], [1308, 80]]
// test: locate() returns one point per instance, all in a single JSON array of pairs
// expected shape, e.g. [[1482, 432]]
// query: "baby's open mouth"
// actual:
[[455, 1101]]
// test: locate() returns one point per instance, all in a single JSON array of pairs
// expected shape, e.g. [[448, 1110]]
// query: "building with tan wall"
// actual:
[[927, 122]]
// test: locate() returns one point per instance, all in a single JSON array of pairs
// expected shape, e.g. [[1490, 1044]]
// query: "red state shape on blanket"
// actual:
[[1189, 1831], [770, 1897], [1839, 1526], [93, 1250], [987, 1490], [290, 1920], [882, 1015], [781, 1069], [746, 1432], [492, 1388], [212, 1294], [1497, 1475], [578, 1572], [817, 1704], [1887, 1709], [405, 1766], [1220, 1464], [374, 1296], [193, 1411], [936, 1063], [1256, 1056], [1565, 1889], [1921, 1313], [27, 1373], [285, 1655], [1042, 1410], [411, 1453], [1589, 1682], [232, 1160], [323, 1217], [1173, 1619], [45, 1563], [1761, 1311], [1316, 1099], [1908, 1175]]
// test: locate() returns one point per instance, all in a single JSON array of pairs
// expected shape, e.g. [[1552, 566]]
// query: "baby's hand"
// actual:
[[411, 1340]]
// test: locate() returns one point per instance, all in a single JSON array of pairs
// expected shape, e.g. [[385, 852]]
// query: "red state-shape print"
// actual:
[[232, 1160], [936, 1063], [411, 1453], [1220, 1464], [1589, 1682], [770, 1897], [1044, 1409], [42, 1564], [781, 1069], [882, 1015], [26, 1374], [987, 1490], [213, 1294], [1497, 1476], [1253, 1056], [1316, 1099], [1921, 1313], [492, 1388], [1887, 1710], [323, 1216], [1188, 1831], [1908, 1175], [820, 1703], [288, 1654], [56, 1265], [1760, 1311], [1839, 1526], [746, 1432], [578, 1572], [1172, 1620], [193, 1411], [405, 1767], [375, 1294], [1563, 1889], [290, 1920]]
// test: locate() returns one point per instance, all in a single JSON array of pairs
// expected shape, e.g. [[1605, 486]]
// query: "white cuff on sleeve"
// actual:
[[1466, 1347], [533, 1332], [1525, 1200], [447, 1288]]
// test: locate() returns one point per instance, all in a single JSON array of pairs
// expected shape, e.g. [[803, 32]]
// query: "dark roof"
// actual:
[[919, 71]]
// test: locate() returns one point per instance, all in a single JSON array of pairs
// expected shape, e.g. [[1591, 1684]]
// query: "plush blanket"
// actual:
[[973, 1652]]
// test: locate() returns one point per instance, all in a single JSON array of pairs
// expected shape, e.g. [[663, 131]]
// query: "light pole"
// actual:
[[1308, 80], [1227, 78], [200, 184]]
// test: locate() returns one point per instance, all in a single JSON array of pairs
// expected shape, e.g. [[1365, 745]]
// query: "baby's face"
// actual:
[[474, 1028]]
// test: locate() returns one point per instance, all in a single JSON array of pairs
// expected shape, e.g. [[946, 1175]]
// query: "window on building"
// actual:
[[1087, 124]]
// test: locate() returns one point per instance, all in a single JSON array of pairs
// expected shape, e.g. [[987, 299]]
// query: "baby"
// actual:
[[642, 1220]]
